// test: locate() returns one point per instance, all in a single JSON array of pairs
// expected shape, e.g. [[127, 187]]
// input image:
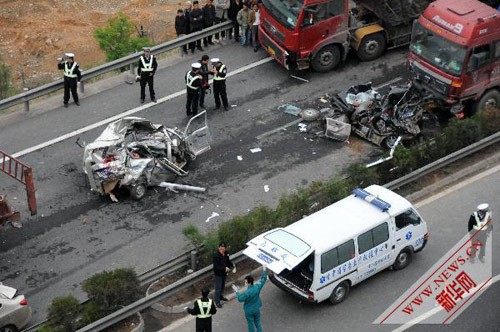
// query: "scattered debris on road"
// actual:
[[379, 118]]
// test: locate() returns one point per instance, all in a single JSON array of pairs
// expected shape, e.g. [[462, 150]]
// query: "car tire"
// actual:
[[310, 114], [371, 47], [340, 292], [8, 328], [490, 99], [326, 59], [138, 190], [402, 260]]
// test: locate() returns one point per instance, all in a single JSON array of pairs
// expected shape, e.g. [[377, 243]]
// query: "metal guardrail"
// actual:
[[415, 175], [207, 271], [129, 60], [151, 299], [179, 262]]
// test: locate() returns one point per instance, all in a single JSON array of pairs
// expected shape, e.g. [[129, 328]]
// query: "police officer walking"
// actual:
[[193, 85], [72, 74], [479, 227], [220, 72], [146, 69], [203, 309]]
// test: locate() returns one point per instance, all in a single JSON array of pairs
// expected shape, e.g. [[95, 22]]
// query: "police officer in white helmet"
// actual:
[[72, 75], [193, 85], [480, 227]]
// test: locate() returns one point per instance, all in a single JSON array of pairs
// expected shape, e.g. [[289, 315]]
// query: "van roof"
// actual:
[[346, 218]]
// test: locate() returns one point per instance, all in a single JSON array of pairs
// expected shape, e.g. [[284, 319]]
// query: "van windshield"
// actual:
[[289, 242], [285, 11]]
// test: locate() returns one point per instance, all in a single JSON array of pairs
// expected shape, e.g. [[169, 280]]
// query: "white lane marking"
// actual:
[[457, 186], [127, 113], [270, 132], [435, 310]]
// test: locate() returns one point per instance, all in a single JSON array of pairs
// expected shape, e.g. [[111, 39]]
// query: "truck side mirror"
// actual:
[[476, 61]]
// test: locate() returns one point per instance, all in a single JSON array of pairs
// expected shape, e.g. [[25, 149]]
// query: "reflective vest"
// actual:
[[68, 72], [204, 308], [190, 78], [480, 224], [147, 66], [217, 77]]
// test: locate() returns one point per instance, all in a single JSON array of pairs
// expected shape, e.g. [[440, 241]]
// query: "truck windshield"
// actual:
[[289, 242], [437, 50], [285, 11]]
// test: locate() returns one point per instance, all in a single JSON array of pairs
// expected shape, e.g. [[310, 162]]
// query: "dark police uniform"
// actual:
[[203, 308], [220, 85], [72, 75], [193, 86], [146, 69]]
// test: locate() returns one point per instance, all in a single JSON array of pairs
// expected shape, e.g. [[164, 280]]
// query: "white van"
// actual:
[[321, 256]]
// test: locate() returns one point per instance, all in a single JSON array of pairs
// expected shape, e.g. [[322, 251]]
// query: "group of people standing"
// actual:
[[197, 84], [204, 308], [244, 15]]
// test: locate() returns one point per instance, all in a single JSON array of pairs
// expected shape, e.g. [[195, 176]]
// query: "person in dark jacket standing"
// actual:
[[180, 26], [204, 308], [72, 75], [193, 86], [209, 18], [222, 266], [187, 21], [196, 22], [251, 299], [205, 71], [220, 72], [146, 69], [234, 7]]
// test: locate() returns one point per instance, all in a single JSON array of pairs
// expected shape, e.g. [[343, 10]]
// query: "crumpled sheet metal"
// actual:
[[338, 128], [107, 158]]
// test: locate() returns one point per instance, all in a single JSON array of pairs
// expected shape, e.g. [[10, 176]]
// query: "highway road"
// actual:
[[447, 215], [77, 234]]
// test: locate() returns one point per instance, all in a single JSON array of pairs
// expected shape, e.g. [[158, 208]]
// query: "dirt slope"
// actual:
[[34, 33]]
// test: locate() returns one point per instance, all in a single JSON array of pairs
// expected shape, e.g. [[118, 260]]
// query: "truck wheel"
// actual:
[[489, 101], [340, 293], [326, 59], [371, 47], [403, 259], [138, 190]]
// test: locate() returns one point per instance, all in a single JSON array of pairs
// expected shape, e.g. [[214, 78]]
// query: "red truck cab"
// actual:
[[455, 55], [303, 33]]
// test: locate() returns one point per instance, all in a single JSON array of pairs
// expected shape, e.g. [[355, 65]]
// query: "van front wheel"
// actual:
[[403, 260], [340, 293]]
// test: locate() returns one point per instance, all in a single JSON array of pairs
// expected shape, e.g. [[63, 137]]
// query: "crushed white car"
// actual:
[[134, 153]]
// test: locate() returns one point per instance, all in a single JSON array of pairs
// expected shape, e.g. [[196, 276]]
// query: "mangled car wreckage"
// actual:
[[134, 153], [380, 119]]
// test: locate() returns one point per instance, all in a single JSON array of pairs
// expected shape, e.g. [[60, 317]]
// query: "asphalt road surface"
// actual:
[[77, 233], [447, 214]]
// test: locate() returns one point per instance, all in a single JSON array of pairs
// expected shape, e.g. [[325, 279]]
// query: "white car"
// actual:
[[15, 313]]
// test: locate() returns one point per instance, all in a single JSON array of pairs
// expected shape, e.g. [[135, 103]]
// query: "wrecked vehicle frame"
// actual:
[[134, 153], [380, 119]]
